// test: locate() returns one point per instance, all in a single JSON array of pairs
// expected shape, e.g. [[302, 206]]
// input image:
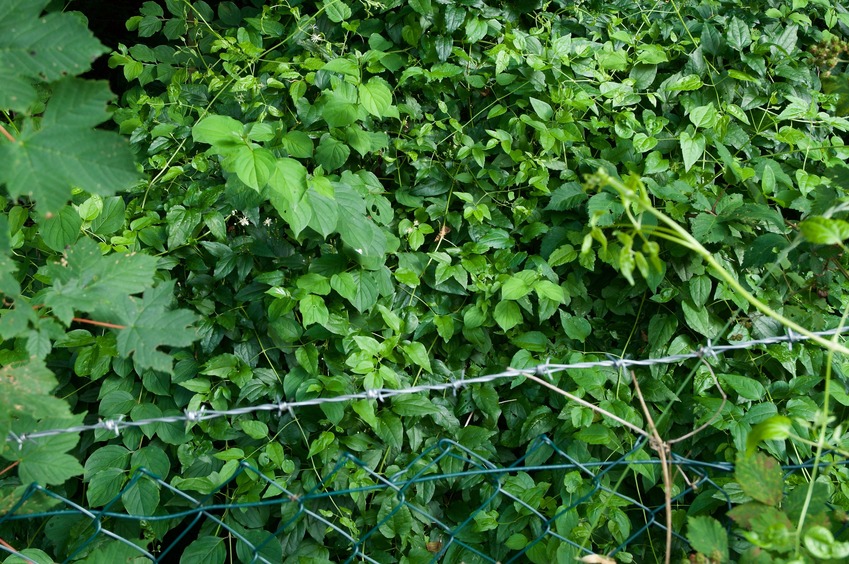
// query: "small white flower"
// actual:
[[267, 221], [244, 221]]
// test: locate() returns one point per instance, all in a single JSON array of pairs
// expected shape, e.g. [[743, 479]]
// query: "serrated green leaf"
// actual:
[[149, 323], [44, 163], [88, 281], [45, 48], [760, 477], [707, 536]]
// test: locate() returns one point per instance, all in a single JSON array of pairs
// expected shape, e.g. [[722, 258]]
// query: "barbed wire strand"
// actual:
[[707, 351]]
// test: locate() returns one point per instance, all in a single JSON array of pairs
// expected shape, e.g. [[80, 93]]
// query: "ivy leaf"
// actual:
[[205, 550], [150, 324], [44, 163]]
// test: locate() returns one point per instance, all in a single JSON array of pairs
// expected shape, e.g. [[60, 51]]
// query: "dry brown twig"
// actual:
[[655, 441]]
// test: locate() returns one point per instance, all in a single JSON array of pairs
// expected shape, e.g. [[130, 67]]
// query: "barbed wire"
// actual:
[[707, 351]]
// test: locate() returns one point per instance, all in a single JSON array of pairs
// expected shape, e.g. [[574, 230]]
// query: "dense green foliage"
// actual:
[[340, 196]]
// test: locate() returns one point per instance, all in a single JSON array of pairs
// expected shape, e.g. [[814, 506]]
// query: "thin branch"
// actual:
[[585, 403], [98, 323], [6, 134], [661, 448]]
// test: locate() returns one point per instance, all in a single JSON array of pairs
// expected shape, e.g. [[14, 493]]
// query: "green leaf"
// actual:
[[286, 188], [825, 231], [205, 550], [760, 477], [253, 166], [222, 132], [776, 428], [313, 311], [88, 281], [692, 148], [142, 498], [44, 48], [700, 320], [418, 354], [321, 443], [395, 518], [109, 456], [542, 109], [105, 486], [575, 327], [331, 153], [747, 388], [61, 229], [47, 467], [518, 286], [707, 536], [507, 315], [337, 10], [149, 324], [45, 162], [358, 287], [375, 97]]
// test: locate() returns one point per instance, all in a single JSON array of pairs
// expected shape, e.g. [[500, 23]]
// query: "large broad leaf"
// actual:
[[358, 287], [45, 162], [357, 231], [222, 132], [33, 48], [253, 165], [376, 97], [286, 187]]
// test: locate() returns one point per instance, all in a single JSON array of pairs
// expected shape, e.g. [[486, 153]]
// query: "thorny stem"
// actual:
[[630, 196]]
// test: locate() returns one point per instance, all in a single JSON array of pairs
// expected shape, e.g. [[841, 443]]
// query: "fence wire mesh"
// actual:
[[469, 494]]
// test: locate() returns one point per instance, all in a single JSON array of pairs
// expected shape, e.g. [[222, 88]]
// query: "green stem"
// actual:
[[630, 196]]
